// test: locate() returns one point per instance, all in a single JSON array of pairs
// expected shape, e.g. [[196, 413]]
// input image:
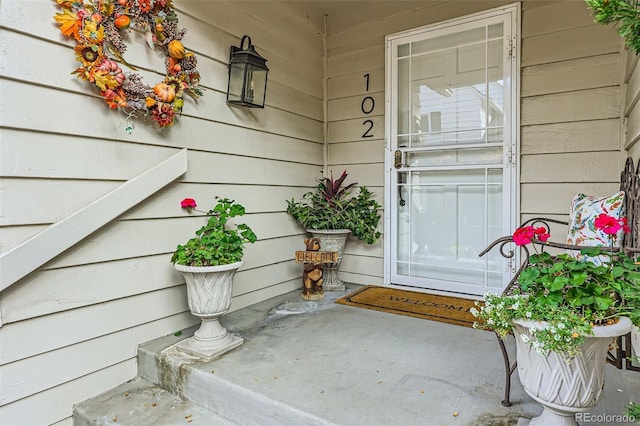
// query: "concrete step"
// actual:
[[196, 381], [139, 403]]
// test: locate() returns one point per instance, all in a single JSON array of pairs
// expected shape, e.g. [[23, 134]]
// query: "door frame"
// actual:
[[513, 8]]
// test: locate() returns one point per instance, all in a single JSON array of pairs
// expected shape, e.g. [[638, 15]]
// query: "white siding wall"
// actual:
[[631, 106], [71, 329], [570, 135]]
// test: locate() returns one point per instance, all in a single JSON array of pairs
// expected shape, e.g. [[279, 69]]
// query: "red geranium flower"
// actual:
[[188, 203], [541, 233], [625, 227], [607, 224], [526, 234], [523, 235]]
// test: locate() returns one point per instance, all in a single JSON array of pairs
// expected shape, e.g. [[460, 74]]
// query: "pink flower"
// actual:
[[541, 233], [523, 235], [188, 203], [625, 227], [526, 234], [608, 224]]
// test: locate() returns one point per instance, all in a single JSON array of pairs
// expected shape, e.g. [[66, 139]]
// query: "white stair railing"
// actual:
[[54, 240]]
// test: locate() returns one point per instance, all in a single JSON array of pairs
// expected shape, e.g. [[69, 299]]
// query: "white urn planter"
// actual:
[[209, 292], [564, 389], [331, 240], [635, 340]]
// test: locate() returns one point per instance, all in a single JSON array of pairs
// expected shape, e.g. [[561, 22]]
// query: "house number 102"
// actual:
[[367, 106]]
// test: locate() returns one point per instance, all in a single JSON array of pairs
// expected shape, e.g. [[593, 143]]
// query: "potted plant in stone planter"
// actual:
[[564, 314], [331, 214], [209, 262]]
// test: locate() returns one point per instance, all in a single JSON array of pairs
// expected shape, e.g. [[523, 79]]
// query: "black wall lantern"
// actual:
[[247, 76]]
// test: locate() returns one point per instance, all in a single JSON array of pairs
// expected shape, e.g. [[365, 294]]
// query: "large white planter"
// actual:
[[331, 240], [565, 389], [635, 341], [209, 292]]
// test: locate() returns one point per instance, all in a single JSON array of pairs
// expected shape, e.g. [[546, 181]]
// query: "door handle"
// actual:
[[397, 159]]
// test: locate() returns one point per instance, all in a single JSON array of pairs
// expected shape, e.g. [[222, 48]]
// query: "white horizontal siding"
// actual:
[[535, 199], [587, 73], [371, 151], [631, 113], [32, 375], [193, 124], [112, 280], [45, 207], [579, 136], [62, 148], [55, 404], [571, 106]]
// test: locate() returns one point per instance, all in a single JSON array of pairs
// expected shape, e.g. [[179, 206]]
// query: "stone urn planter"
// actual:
[[209, 292], [331, 240], [635, 340], [563, 388]]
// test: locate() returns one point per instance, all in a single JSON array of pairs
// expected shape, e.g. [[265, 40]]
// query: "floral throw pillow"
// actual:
[[582, 230]]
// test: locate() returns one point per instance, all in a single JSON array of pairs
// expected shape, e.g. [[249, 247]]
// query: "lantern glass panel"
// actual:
[[236, 82], [256, 86]]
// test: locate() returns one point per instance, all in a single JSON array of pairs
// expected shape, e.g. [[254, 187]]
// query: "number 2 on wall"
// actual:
[[366, 133]]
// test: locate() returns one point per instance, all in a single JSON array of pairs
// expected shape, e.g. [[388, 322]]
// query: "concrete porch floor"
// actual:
[[348, 366]]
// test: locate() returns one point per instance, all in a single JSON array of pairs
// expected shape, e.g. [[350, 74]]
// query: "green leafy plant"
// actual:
[[331, 207], [215, 243], [633, 411], [570, 296], [624, 15]]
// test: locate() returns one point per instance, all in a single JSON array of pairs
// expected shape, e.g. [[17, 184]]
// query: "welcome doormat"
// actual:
[[452, 310]]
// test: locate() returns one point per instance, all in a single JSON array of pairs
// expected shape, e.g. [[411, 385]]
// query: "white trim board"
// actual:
[[44, 246]]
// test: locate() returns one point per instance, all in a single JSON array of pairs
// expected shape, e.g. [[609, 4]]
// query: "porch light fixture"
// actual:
[[247, 76]]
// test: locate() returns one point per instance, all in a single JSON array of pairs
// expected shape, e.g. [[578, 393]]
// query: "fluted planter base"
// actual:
[[550, 417], [635, 341], [210, 340], [209, 292], [331, 240], [565, 389]]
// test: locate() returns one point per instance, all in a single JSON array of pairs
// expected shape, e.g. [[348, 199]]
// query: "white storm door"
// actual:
[[451, 152]]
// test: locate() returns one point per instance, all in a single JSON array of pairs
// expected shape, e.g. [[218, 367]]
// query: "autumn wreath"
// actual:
[[98, 26]]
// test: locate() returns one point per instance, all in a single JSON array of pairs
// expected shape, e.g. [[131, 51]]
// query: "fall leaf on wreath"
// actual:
[[82, 73], [178, 104], [104, 80], [68, 21], [106, 8], [65, 3]]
